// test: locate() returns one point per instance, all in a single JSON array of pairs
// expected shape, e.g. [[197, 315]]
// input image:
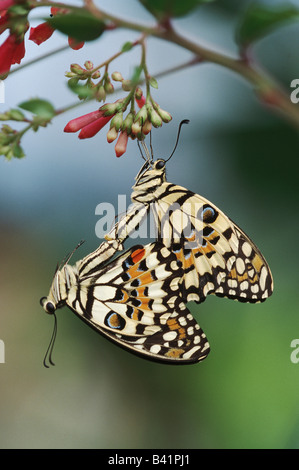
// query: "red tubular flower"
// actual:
[[12, 52], [93, 128], [4, 20], [44, 31], [89, 124], [41, 33], [74, 44], [6, 4], [121, 144]]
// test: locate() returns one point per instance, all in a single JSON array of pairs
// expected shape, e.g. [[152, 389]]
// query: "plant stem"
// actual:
[[266, 87]]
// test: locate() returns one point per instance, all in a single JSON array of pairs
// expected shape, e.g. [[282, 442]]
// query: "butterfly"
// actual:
[[217, 256], [133, 300]]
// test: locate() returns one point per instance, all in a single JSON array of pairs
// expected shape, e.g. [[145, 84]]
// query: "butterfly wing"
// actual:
[[135, 301], [217, 256], [179, 341]]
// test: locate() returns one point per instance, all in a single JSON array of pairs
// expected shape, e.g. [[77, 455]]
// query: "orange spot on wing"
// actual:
[[135, 314], [174, 352], [137, 255], [174, 325], [114, 321], [257, 262], [145, 276], [244, 277]]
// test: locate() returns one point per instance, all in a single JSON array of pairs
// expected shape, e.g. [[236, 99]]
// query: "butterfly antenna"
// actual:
[[140, 150], [151, 147], [185, 121], [51, 345], [68, 256], [147, 154]]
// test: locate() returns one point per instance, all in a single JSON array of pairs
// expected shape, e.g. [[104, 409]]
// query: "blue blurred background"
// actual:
[[234, 152]]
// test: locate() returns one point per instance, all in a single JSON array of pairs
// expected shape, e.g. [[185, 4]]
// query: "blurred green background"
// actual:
[[234, 152]]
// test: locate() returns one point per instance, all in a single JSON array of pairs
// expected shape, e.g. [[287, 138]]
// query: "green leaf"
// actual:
[[153, 82], [17, 151], [136, 75], [259, 20], [80, 25], [41, 108], [171, 8], [83, 91], [127, 46], [20, 10]]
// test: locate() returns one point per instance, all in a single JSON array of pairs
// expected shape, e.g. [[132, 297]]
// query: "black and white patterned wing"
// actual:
[[216, 255], [135, 301]]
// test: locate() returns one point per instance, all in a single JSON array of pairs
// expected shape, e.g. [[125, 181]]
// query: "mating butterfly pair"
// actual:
[[138, 299]]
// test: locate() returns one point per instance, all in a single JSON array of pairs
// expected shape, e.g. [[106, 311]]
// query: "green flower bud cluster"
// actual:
[[124, 123], [9, 143], [89, 74], [135, 125], [12, 115]]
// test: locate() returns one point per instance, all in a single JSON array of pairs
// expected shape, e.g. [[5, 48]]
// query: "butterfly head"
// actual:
[[153, 172], [48, 305], [58, 291], [65, 277]]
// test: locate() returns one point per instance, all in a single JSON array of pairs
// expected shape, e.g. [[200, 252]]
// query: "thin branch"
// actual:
[[269, 91], [38, 59]]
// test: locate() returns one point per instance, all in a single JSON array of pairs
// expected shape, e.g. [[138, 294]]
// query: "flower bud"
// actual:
[[16, 115], [141, 116], [4, 150], [136, 128], [109, 88], [100, 94], [70, 74], [77, 69], [6, 129], [96, 74], [127, 124], [7, 152], [112, 108], [154, 117], [165, 116], [140, 99], [117, 121], [88, 65], [147, 127], [126, 85], [109, 109], [117, 77], [112, 135], [121, 144], [138, 93]]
